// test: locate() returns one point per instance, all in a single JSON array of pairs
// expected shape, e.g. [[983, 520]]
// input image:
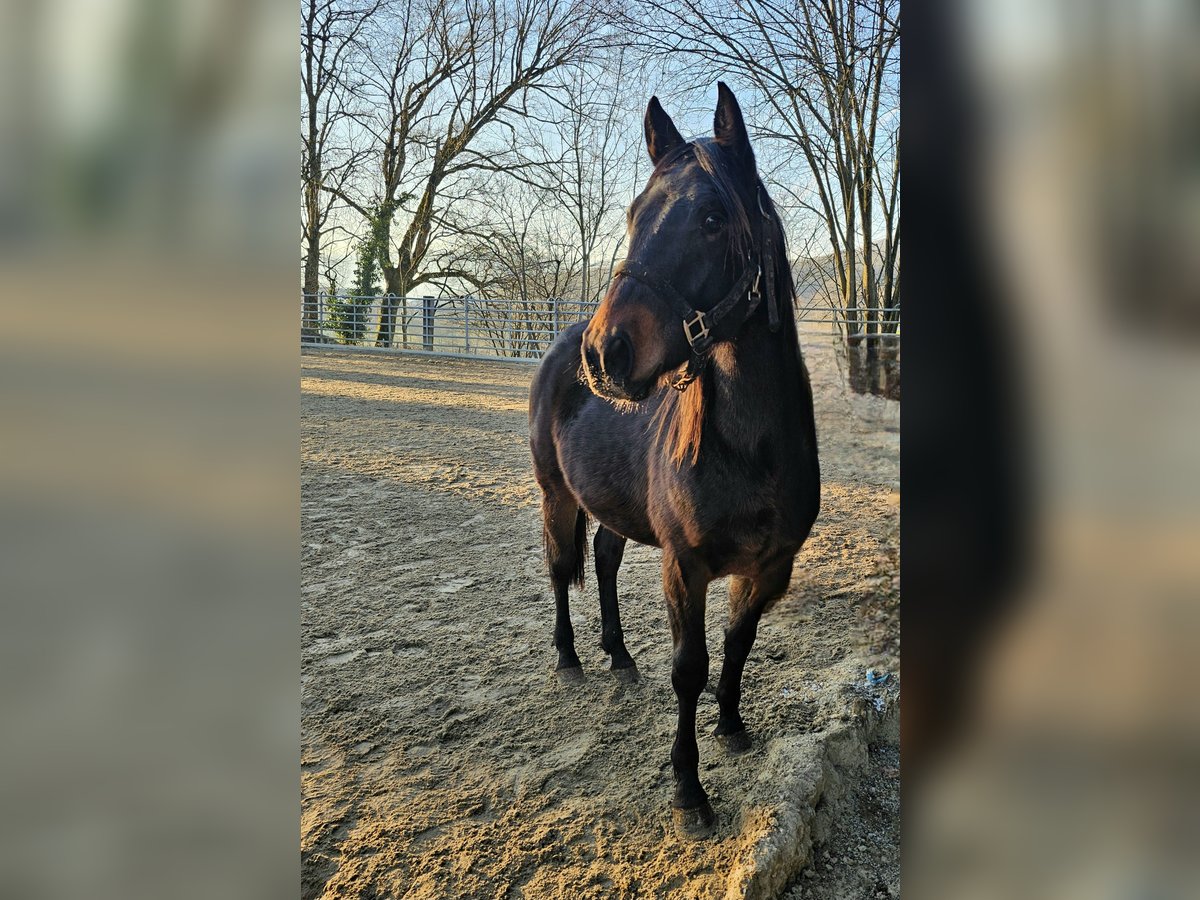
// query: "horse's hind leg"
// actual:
[[610, 549], [564, 529], [747, 600]]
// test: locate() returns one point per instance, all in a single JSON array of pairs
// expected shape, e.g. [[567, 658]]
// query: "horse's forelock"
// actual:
[[714, 162], [742, 210]]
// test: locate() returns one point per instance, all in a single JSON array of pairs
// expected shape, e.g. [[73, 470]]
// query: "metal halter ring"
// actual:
[[701, 332]]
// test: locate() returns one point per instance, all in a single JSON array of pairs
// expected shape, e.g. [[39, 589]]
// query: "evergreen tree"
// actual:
[[349, 314]]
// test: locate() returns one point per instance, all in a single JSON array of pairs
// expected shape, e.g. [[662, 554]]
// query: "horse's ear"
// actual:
[[661, 134], [729, 128]]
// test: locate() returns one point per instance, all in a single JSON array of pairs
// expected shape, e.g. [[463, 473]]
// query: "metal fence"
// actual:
[[815, 317], [521, 330], [446, 326]]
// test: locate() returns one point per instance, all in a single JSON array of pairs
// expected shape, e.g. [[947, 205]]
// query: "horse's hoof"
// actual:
[[570, 675], [627, 675], [694, 824], [735, 744]]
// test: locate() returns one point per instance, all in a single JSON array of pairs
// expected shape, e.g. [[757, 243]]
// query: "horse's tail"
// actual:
[[581, 543], [558, 553]]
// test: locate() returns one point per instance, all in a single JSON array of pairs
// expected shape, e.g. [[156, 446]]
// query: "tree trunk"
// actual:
[[393, 289], [889, 360], [309, 324], [870, 286], [860, 372]]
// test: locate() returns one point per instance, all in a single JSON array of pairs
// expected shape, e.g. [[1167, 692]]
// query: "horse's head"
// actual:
[[691, 250]]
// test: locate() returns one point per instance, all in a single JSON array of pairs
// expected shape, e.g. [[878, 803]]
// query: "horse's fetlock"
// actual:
[[727, 697], [611, 639], [730, 724], [689, 793]]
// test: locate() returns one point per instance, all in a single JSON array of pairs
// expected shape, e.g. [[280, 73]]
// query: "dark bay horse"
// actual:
[[681, 417]]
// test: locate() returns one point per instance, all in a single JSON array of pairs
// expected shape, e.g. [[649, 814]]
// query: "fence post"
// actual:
[[554, 301], [428, 311], [467, 321]]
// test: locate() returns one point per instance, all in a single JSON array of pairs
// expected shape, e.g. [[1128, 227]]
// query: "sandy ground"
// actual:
[[440, 756]]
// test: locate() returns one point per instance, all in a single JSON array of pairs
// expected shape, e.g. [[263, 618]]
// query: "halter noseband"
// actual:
[[703, 328]]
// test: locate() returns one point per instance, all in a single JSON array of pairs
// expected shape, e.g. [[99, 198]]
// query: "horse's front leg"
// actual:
[[685, 587], [747, 600]]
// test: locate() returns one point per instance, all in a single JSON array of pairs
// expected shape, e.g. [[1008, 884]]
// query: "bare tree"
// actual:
[[551, 228], [443, 83], [826, 84], [328, 29], [596, 149], [543, 239], [523, 255]]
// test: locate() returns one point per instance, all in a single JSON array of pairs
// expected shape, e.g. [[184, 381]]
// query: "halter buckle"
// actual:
[[700, 332], [683, 381], [755, 293]]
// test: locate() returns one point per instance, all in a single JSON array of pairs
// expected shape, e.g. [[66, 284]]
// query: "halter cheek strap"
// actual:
[[768, 264], [702, 328]]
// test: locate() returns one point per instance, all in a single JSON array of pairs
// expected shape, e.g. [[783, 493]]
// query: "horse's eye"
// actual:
[[713, 224]]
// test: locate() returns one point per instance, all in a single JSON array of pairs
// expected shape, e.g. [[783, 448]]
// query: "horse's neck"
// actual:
[[756, 379]]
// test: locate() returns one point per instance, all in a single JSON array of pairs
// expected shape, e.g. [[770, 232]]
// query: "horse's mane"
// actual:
[[679, 420]]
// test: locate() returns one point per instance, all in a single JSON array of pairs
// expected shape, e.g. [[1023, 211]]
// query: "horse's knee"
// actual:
[[739, 639], [728, 692], [611, 637], [689, 670], [604, 565]]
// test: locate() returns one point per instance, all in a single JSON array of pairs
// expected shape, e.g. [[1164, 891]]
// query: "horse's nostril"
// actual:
[[592, 358], [618, 357]]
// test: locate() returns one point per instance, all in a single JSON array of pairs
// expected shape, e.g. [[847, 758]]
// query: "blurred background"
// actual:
[[148, 500], [1050, 520], [148, 508]]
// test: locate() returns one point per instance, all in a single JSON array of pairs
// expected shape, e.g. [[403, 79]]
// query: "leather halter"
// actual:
[[704, 328]]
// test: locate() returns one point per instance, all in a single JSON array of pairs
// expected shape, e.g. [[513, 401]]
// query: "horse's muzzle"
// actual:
[[608, 367]]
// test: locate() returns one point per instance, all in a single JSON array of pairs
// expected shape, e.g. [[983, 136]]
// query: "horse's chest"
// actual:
[[744, 523], [754, 532]]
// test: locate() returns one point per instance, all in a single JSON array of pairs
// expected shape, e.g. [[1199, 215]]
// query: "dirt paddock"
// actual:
[[440, 756]]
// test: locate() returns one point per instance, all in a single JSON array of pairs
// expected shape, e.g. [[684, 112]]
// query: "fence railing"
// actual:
[[878, 324], [448, 326], [516, 329]]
